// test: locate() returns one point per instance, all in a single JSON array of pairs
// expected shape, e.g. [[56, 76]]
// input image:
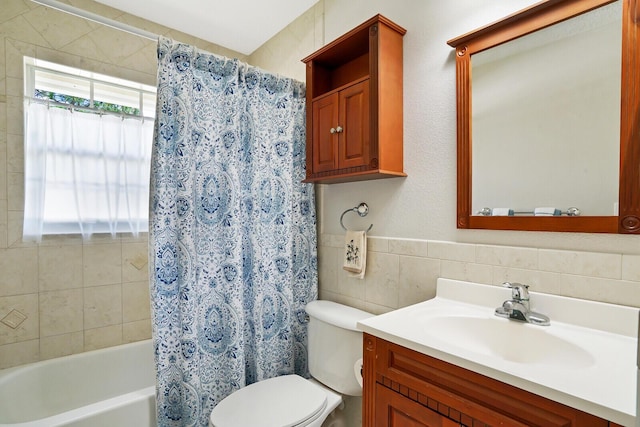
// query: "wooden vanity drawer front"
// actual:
[[458, 390]]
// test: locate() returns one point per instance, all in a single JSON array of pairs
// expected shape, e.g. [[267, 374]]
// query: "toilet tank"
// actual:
[[335, 345]]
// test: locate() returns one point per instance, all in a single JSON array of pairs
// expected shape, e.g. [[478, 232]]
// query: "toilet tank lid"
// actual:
[[336, 314]]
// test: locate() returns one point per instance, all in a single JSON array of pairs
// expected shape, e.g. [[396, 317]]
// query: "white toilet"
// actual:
[[335, 355]]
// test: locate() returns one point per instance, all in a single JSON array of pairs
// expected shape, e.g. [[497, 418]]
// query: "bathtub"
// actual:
[[102, 388]]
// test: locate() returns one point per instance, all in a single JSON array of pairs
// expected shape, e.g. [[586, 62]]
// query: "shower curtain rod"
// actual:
[[63, 7]]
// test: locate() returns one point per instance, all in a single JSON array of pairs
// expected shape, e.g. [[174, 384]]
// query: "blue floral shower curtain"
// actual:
[[232, 231]]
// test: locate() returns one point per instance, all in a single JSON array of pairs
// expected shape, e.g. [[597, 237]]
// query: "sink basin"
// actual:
[[509, 340]]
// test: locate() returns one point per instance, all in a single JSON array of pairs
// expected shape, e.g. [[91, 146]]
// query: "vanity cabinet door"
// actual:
[[395, 410], [401, 385]]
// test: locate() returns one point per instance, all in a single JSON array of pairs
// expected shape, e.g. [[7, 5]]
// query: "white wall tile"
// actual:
[[102, 263], [102, 337], [135, 262], [582, 263], [408, 247], [417, 279], [15, 155], [135, 301], [329, 266], [4, 220], [507, 256], [343, 299], [26, 315], [382, 279], [377, 244], [469, 272], [136, 331], [58, 28], [19, 269], [376, 308], [102, 306], [15, 124], [59, 267], [452, 251], [599, 289], [61, 345], [15, 190], [60, 312], [331, 240], [516, 275], [11, 9], [19, 353], [350, 286], [631, 267]]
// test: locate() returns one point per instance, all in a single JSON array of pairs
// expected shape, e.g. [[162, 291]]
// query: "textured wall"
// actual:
[[76, 295], [423, 205]]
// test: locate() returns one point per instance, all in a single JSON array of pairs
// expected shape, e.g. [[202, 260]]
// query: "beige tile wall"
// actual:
[[76, 295], [402, 272]]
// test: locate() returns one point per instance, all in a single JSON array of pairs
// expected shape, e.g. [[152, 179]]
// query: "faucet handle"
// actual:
[[519, 292]]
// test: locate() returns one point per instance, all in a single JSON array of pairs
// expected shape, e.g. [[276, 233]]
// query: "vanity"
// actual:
[[451, 361]]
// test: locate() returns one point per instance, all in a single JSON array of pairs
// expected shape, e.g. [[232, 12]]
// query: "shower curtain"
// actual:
[[232, 231]]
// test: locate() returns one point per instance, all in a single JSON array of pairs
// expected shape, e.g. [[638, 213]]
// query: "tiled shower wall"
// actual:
[[64, 295], [402, 272]]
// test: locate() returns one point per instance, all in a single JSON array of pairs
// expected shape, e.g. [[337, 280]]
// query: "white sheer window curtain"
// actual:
[[85, 173]]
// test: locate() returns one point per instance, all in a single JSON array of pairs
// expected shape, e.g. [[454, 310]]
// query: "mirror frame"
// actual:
[[526, 21]]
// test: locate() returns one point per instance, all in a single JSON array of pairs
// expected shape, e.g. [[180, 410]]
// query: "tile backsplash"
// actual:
[[402, 272]]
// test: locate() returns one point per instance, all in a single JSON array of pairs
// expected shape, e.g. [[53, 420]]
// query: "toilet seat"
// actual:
[[285, 401]]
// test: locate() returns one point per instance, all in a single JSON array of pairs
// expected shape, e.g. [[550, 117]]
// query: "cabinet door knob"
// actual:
[[339, 129], [332, 130]]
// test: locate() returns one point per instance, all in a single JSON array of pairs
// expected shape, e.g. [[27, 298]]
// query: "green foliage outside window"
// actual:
[[86, 103]]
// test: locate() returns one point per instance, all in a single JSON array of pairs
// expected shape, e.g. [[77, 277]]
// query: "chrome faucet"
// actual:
[[518, 307]]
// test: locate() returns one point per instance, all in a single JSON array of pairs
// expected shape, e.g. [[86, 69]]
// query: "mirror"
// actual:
[[551, 119]]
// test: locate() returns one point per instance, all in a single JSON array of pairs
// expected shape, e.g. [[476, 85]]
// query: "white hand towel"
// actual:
[[355, 253], [502, 212], [546, 212]]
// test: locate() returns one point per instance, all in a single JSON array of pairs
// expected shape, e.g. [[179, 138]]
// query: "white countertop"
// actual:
[[588, 360]]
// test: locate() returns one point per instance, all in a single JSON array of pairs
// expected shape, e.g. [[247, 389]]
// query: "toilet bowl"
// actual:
[[335, 349]]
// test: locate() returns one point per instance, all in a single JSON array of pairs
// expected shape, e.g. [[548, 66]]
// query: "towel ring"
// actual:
[[362, 209]]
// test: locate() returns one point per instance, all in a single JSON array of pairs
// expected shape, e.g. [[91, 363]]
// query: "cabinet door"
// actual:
[[325, 142], [354, 144], [395, 410]]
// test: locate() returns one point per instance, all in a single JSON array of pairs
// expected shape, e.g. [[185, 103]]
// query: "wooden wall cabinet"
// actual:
[[405, 388], [354, 105]]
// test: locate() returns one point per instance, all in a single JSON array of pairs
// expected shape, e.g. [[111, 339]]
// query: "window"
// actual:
[[87, 152]]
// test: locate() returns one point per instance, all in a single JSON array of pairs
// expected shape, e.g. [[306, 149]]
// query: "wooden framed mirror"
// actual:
[[616, 167]]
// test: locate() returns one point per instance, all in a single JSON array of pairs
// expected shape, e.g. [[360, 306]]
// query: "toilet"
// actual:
[[335, 358]]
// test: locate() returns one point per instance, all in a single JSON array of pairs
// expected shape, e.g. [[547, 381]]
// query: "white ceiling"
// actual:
[[240, 25]]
